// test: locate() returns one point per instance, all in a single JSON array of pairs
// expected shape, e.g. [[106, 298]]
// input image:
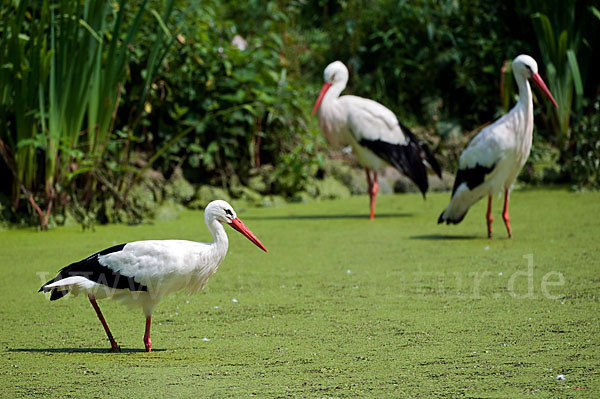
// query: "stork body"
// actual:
[[376, 136], [140, 273], [493, 159]]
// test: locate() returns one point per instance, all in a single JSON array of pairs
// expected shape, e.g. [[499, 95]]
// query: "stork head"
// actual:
[[220, 210], [223, 212], [526, 66], [335, 73]]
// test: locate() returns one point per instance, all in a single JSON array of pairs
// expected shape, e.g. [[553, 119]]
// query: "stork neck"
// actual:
[[525, 97], [523, 118], [220, 240], [334, 92], [329, 109]]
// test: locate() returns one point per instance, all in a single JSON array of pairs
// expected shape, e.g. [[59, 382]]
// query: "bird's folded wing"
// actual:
[[153, 261], [369, 120]]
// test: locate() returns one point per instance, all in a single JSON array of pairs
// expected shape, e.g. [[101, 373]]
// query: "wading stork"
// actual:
[[493, 159], [376, 136], [142, 272]]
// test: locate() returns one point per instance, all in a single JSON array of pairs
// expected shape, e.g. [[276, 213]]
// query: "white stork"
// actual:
[[492, 160], [142, 272], [375, 134]]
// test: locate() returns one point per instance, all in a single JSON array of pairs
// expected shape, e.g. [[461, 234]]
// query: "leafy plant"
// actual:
[[236, 88], [24, 70], [566, 35], [559, 39], [583, 157], [64, 69]]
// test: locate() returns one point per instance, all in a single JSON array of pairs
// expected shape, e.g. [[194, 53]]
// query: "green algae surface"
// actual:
[[340, 306]]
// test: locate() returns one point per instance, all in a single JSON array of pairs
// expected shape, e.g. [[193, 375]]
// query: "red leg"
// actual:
[[373, 189], [488, 217], [369, 182], [113, 344], [505, 214], [147, 340], [370, 191], [373, 194]]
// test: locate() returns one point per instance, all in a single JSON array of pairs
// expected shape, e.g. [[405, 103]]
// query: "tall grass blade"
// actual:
[[577, 81]]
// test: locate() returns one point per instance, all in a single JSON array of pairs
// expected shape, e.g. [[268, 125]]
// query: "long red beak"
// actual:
[[241, 227], [324, 89], [537, 79]]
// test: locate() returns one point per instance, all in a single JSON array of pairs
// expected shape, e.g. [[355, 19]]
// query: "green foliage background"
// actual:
[[94, 95]]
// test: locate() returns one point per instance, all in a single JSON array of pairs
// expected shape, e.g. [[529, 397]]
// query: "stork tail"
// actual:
[[426, 154], [88, 272], [406, 158]]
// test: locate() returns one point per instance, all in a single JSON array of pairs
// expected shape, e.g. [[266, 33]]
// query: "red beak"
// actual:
[[241, 227], [324, 89], [537, 79]]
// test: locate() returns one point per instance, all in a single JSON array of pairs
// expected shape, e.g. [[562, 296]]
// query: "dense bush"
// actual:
[[237, 93], [583, 155]]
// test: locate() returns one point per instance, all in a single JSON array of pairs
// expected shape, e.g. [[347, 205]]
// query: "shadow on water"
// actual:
[[445, 237], [80, 350], [329, 216]]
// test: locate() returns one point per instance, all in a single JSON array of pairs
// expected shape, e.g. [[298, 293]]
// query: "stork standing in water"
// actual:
[[375, 134], [142, 272], [493, 159]]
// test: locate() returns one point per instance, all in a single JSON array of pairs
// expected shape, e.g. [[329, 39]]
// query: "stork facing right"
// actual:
[[493, 159]]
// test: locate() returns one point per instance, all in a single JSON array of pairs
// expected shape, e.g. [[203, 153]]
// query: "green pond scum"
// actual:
[[340, 306]]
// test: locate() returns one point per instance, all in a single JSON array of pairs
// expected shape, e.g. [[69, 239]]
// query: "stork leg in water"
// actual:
[[147, 340], [488, 217], [373, 190], [505, 214], [113, 344]]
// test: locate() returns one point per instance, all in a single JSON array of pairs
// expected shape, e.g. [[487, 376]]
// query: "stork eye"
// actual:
[[229, 212]]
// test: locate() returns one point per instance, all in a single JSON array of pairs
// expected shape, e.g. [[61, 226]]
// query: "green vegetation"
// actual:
[[103, 102], [339, 307], [63, 70], [566, 32]]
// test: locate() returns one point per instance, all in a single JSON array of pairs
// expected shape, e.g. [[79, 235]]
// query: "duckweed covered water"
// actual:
[[340, 307]]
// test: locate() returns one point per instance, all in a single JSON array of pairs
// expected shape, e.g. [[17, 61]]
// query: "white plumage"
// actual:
[[493, 159], [140, 273], [164, 266], [376, 136]]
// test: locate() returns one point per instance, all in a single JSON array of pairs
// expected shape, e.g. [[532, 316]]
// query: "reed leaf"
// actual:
[[558, 44], [576, 76], [23, 72]]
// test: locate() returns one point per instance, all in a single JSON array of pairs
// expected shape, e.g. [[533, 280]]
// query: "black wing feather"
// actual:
[[427, 154], [405, 158], [472, 176], [408, 158], [91, 269]]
